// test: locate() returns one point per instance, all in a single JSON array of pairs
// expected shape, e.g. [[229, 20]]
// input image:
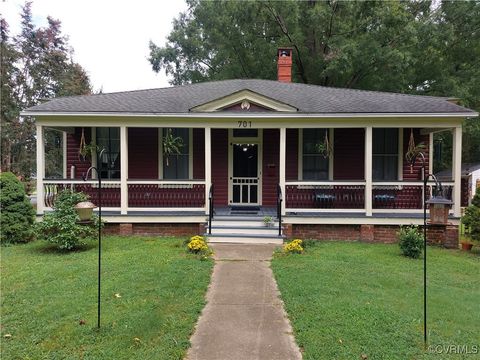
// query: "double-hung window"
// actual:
[[178, 164], [314, 164], [385, 154]]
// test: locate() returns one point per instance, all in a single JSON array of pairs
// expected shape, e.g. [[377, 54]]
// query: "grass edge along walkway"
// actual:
[[152, 295], [348, 299]]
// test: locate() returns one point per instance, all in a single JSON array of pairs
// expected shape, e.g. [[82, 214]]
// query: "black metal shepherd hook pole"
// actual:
[[425, 179], [99, 231], [438, 188]]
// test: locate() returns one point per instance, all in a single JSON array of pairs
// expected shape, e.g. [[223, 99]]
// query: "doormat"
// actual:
[[245, 208]]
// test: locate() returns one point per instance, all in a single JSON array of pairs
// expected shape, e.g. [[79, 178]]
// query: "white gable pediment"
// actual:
[[244, 98]]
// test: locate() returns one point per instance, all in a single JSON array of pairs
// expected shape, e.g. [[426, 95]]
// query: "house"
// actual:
[[470, 181], [331, 160]]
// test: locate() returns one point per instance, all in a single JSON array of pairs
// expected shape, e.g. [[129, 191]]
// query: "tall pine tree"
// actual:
[[36, 65]]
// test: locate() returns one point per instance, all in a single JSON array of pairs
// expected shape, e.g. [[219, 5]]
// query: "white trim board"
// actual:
[[250, 115]]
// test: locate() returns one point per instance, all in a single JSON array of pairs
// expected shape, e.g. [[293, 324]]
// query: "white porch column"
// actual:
[[40, 169], [368, 170], [208, 166], [430, 153], [457, 169], [64, 153], [123, 170], [282, 165]]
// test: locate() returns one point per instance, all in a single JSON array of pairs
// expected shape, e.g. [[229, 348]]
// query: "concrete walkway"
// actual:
[[244, 317]]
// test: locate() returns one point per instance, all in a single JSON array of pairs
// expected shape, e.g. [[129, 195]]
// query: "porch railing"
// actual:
[[395, 196], [325, 195], [141, 194], [166, 194], [404, 195], [110, 191]]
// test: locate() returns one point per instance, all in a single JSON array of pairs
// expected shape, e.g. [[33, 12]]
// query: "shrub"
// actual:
[[411, 241], [294, 246], [61, 228], [471, 218], [197, 245], [16, 213]]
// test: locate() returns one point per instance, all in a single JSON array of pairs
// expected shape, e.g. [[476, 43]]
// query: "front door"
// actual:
[[245, 178]]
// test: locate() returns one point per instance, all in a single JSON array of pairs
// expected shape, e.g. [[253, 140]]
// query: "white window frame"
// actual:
[[160, 153], [331, 134]]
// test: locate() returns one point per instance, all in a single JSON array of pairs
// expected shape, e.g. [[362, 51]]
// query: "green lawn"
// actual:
[[346, 300], [45, 294]]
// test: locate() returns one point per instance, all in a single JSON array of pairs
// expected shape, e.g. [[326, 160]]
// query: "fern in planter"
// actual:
[[171, 145]]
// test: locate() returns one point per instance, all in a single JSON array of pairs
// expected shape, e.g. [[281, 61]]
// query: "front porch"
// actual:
[[246, 167]]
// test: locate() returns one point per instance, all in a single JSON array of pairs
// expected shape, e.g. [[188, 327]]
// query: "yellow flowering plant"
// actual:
[[294, 246], [197, 245]]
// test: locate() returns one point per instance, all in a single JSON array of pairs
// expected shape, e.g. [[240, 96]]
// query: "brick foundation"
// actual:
[[367, 233], [441, 235], [125, 229], [446, 236], [326, 232], [163, 229]]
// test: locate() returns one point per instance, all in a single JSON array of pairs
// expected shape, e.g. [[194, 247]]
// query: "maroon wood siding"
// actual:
[[143, 153], [270, 162], [73, 157], [220, 166], [291, 166], [349, 154], [414, 173], [198, 154]]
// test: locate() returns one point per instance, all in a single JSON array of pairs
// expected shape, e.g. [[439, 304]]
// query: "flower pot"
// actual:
[[466, 246], [85, 210]]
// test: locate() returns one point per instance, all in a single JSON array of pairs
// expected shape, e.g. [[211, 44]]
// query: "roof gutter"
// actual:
[[249, 115]]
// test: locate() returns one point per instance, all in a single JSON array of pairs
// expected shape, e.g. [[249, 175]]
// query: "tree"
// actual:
[[418, 47], [36, 65]]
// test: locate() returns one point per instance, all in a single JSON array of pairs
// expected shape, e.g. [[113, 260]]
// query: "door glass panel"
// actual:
[[245, 160], [245, 194], [253, 194], [236, 193]]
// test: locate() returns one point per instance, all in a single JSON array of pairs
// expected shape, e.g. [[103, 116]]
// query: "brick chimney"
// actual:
[[284, 65]]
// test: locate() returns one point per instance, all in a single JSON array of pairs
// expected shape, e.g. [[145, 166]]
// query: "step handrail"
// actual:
[[279, 209], [210, 209]]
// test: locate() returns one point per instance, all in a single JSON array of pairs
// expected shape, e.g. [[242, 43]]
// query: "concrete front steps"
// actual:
[[243, 230]]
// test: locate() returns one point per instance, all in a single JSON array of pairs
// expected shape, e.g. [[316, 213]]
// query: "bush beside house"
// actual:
[[410, 241], [61, 227], [471, 219], [16, 213]]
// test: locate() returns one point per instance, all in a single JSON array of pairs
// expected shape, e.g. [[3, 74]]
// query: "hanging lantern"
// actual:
[[439, 208]]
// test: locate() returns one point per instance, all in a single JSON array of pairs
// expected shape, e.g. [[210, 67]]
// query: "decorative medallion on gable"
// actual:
[[244, 101], [246, 106]]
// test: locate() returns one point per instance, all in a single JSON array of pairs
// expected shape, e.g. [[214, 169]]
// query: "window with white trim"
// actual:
[[314, 164], [178, 165], [385, 154]]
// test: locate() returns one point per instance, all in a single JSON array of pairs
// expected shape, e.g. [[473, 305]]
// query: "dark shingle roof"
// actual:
[[306, 98]]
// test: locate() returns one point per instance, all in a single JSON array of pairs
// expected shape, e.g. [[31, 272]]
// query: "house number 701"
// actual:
[[244, 124]]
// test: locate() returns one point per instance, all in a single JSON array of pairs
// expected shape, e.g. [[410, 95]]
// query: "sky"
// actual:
[[110, 38]]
